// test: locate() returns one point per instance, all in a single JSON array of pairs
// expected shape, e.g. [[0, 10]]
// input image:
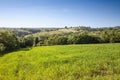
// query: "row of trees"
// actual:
[[106, 36], [10, 42]]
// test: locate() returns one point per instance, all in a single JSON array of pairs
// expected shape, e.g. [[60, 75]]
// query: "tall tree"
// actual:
[[8, 39]]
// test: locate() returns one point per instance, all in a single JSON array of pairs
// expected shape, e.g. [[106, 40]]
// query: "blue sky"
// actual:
[[59, 13]]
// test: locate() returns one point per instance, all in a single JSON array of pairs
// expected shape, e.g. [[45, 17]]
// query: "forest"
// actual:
[[15, 38]]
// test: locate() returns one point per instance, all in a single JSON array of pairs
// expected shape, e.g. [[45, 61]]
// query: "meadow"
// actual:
[[62, 62]]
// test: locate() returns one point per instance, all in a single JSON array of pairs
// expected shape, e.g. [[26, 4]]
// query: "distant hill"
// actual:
[[41, 31], [28, 37], [27, 31]]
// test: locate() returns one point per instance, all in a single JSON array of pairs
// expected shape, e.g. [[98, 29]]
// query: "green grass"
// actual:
[[68, 62]]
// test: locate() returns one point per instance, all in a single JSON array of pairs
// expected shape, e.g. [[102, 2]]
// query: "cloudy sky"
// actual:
[[59, 13]]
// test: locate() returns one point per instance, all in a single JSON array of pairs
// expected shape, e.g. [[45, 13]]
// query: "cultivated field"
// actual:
[[65, 62]]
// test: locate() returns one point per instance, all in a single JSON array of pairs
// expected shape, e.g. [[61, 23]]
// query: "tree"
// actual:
[[21, 42], [8, 39], [36, 41], [114, 36], [29, 41], [2, 47], [61, 40]]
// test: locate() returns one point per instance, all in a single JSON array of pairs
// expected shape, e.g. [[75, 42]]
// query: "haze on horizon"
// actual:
[[59, 13]]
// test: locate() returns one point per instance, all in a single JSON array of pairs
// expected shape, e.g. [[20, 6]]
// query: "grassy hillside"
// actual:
[[68, 62]]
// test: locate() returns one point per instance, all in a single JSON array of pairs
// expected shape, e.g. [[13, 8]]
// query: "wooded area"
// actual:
[[10, 41]]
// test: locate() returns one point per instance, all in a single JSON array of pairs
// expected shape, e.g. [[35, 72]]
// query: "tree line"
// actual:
[[10, 42]]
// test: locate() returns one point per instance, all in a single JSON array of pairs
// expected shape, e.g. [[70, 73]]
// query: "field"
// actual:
[[68, 62]]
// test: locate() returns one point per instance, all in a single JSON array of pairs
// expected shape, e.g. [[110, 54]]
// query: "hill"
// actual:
[[57, 30], [16, 38], [68, 62]]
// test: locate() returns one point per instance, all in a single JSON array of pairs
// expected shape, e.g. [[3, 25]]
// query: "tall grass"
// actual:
[[68, 62]]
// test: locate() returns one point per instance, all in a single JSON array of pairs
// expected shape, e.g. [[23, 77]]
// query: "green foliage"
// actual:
[[8, 40], [66, 62], [36, 41], [74, 35], [29, 40], [2, 47], [84, 37], [21, 41], [61, 40], [112, 36], [57, 40]]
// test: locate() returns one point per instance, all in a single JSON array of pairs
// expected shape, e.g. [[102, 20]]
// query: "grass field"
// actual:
[[68, 62]]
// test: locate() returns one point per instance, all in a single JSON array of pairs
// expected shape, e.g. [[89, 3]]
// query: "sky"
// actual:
[[59, 13]]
